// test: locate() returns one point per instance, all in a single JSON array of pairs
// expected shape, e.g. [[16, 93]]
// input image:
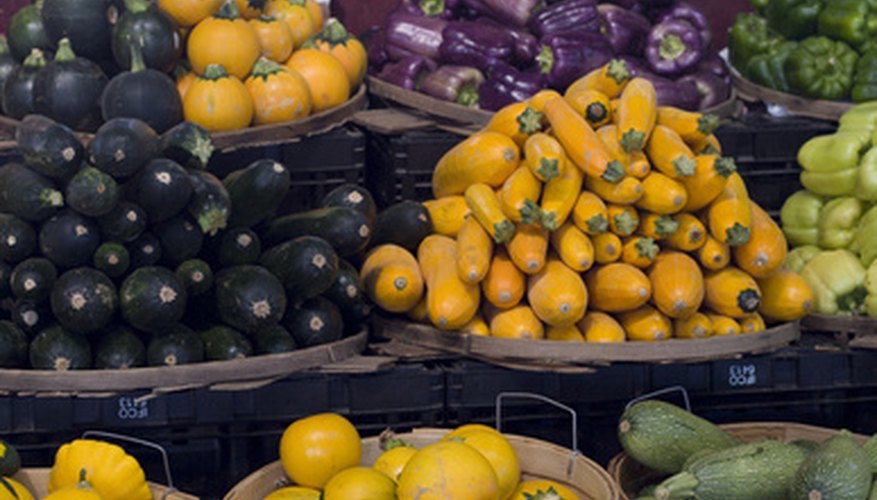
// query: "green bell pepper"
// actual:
[[871, 287], [749, 37], [830, 162], [837, 279], [850, 21], [838, 222], [767, 69], [865, 241], [800, 218], [797, 258], [866, 186], [793, 19], [821, 68], [865, 79], [859, 117], [759, 6]]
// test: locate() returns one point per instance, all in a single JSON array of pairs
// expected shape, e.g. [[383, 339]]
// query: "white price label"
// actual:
[[129, 409], [742, 375]]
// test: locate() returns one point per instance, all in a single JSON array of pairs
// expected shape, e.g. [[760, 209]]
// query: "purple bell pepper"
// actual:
[[396, 53], [713, 63], [674, 47], [468, 43], [444, 9], [407, 73], [421, 35], [457, 84], [565, 57], [514, 12], [471, 9], [711, 89], [377, 52], [679, 94], [632, 5], [494, 94], [695, 17], [566, 16], [526, 46], [626, 30], [529, 81]]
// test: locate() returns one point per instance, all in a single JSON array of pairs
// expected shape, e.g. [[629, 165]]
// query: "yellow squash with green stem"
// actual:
[[486, 157], [451, 303]]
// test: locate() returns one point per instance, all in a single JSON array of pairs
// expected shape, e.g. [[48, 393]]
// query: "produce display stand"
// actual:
[[632, 476], [840, 324], [37, 479], [796, 105]]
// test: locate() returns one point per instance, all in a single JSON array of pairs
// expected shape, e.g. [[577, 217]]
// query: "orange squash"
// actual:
[[669, 153], [517, 121], [581, 143], [325, 75], [677, 284], [528, 248], [609, 79], [224, 39], [690, 235], [336, 40], [297, 16], [451, 302], [600, 327], [279, 94], [731, 292], [785, 296], [250, 9], [569, 333], [690, 125], [557, 294], [519, 322], [188, 13], [478, 326], [709, 145], [752, 323], [316, 11], [766, 249], [538, 100], [559, 196], [544, 156], [661, 194], [657, 226], [217, 101], [637, 114], [714, 255], [724, 325], [420, 313], [519, 196], [447, 214], [591, 104], [488, 157], [639, 251], [184, 79], [636, 163], [607, 248], [574, 247], [275, 39], [626, 192], [711, 173], [474, 251], [696, 326], [486, 208], [504, 284], [590, 214], [617, 287], [730, 214], [623, 220], [646, 324], [392, 278]]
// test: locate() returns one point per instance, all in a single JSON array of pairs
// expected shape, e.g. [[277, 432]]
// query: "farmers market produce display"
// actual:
[[701, 460], [831, 223], [812, 48], [224, 65], [489, 54], [127, 252], [556, 223]]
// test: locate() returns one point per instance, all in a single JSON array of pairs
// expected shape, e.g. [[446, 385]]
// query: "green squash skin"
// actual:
[[346, 229], [8, 64], [112, 259], [196, 276], [85, 22], [763, 470], [147, 94], [307, 266], [314, 322], [188, 144], [16, 95], [406, 224], [124, 224], [122, 146], [13, 348], [210, 204], [10, 460], [119, 348], [55, 348], [355, 197], [32, 317], [28, 194], [92, 192], [156, 31], [152, 299], [162, 189], [181, 239], [238, 246], [256, 192], [84, 300], [68, 239], [68, 91], [662, 436], [49, 147], [273, 340], [145, 251], [249, 298], [180, 346], [18, 239], [839, 470], [33, 278], [347, 293], [222, 343], [5, 273], [27, 32]]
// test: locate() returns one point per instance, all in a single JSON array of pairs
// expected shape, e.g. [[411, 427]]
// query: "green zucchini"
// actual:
[[55, 348], [222, 343], [112, 259], [181, 238], [32, 317], [33, 278], [838, 470], [122, 146], [162, 188], [10, 460], [347, 293], [5, 289], [179, 345], [256, 191], [355, 197], [238, 246], [18, 239], [662, 436], [68, 239], [314, 322], [152, 298], [48, 147], [92, 192], [196, 276], [754, 471], [249, 298], [13, 345], [306, 266], [124, 223], [119, 348], [84, 300], [273, 340], [210, 204], [405, 224], [188, 144], [145, 251], [28, 194], [346, 229]]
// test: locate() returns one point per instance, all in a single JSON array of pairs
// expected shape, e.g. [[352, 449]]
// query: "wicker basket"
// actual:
[[37, 482]]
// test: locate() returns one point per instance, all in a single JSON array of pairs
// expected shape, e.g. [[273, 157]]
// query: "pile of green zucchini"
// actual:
[[128, 252], [700, 460]]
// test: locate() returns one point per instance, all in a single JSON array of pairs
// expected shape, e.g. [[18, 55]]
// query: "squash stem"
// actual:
[[137, 63], [335, 32], [679, 486], [65, 51], [725, 166], [432, 7], [228, 11], [618, 71], [137, 6], [39, 5], [4, 45], [265, 67], [36, 59], [214, 72]]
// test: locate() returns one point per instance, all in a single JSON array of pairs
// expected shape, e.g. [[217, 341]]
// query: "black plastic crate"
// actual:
[[766, 138], [317, 164], [771, 187]]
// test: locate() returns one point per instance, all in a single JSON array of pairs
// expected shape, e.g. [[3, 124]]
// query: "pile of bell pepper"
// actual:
[[833, 222], [821, 49], [491, 53]]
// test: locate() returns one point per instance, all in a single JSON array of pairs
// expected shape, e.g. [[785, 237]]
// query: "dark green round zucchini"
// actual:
[[84, 300], [112, 259], [124, 223], [256, 191], [238, 246], [28, 194], [314, 322], [33, 278], [5, 289], [147, 25], [16, 95], [273, 340], [181, 239], [8, 62], [346, 229], [55, 348], [122, 146], [162, 189], [188, 144], [347, 293], [180, 345], [210, 204], [307, 266], [85, 22], [355, 197], [92, 192], [18, 240], [222, 343], [144, 251], [152, 298], [405, 224], [27, 32], [143, 93], [49, 147], [68, 90], [31, 316], [249, 298], [196, 276], [10, 460], [68, 239], [118, 349], [13, 346]]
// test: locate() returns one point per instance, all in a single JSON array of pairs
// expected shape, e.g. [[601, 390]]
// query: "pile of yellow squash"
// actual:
[[592, 216], [259, 63], [322, 456]]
